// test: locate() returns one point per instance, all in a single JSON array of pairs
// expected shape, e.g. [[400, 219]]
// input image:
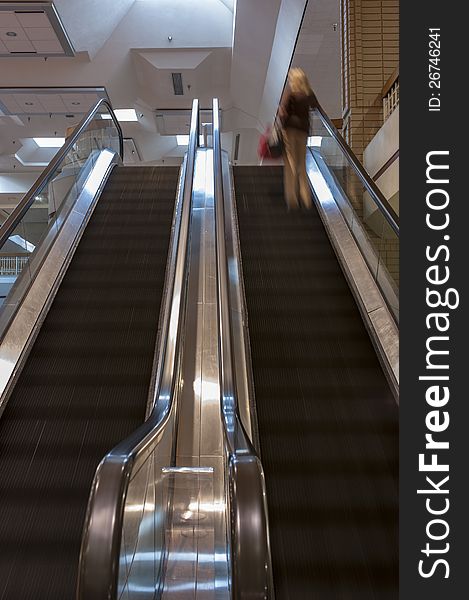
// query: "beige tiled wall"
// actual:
[[370, 53]]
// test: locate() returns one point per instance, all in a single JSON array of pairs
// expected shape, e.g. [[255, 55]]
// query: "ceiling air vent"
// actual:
[[236, 148], [177, 84]]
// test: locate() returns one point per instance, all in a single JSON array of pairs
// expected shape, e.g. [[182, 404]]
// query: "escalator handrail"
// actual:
[[20, 210], [102, 533], [385, 208], [250, 545]]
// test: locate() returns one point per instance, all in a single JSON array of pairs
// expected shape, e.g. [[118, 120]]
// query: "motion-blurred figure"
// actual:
[[294, 116]]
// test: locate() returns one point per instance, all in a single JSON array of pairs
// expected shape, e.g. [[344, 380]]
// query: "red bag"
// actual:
[[263, 147], [270, 143]]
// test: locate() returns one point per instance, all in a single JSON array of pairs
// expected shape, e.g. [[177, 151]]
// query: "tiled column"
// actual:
[[370, 53]]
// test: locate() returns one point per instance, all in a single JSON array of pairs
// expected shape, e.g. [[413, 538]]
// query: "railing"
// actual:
[[38, 188], [12, 265], [370, 218], [390, 94], [129, 501], [250, 550], [370, 186], [35, 222]]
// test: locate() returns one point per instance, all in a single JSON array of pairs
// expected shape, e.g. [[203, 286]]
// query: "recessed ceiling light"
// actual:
[[49, 142], [11, 33], [29, 103]]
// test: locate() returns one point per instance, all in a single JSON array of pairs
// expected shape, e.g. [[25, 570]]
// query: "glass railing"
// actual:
[[31, 228], [372, 221]]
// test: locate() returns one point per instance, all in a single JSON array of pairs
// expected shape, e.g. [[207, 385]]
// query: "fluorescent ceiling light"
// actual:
[[315, 140], [122, 114], [49, 142]]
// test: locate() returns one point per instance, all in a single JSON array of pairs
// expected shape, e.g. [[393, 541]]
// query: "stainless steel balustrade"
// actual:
[[118, 504], [370, 218], [250, 549], [124, 549]]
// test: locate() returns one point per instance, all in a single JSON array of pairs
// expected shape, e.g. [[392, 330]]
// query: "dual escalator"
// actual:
[[104, 359]]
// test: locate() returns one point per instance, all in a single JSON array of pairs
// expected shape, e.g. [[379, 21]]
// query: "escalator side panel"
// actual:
[[328, 422], [85, 384]]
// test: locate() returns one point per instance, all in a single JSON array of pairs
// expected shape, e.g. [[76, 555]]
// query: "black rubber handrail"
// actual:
[[250, 547], [20, 210], [102, 534], [370, 186]]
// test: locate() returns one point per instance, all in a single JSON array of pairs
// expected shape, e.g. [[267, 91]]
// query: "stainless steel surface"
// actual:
[[249, 531], [369, 251], [197, 565], [17, 214], [31, 312], [383, 330], [239, 316], [371, 187], [115, 546]]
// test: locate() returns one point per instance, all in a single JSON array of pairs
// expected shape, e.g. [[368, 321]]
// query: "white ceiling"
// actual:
[[90, 23], [124, 46], [46, 102], [27, 33], [32, 29]]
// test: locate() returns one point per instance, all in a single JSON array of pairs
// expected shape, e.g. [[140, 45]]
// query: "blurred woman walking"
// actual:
[[294, 116]]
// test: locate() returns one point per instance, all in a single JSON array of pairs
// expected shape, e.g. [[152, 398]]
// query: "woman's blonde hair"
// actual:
[[298, 81]]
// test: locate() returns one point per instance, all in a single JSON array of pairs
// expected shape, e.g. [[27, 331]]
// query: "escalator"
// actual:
[[328, 421], [170, 510], [85, 383]]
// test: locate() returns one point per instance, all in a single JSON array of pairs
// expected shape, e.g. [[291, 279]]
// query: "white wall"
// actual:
[[248, 143], [192, 24], [286, 32], [318, 53], [383, 145], [381, 148], [16, 183], [13, 186], [254, 33], [89, 23], [264, 37]]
